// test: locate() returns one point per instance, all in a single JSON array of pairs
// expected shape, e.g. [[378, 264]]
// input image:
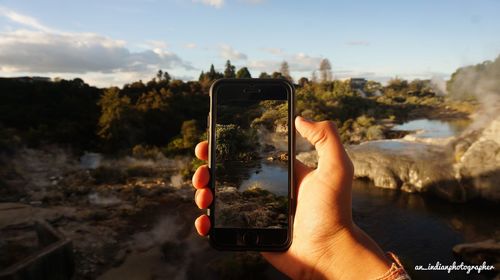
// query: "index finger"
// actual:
[[201, 150]]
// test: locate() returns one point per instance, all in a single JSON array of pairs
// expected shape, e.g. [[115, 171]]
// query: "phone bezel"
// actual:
[[232, 238]]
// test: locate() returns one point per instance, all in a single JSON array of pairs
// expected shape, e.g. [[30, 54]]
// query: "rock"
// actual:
[[283, 156], [173, 252], [256, 207], [92, 214], [465, 168], [476, 253], [119, 257], [47, 195], [15, 213], [78, 181], [481, 165], [308, 158], [408, 166]]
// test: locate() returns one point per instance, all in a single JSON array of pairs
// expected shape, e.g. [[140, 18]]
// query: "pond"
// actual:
[[270, 176], [422, 229], [426, 128]]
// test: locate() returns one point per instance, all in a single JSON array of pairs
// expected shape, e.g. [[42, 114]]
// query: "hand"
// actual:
[[326, 243]]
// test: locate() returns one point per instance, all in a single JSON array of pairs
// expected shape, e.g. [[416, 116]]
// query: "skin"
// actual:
[[326, 242]]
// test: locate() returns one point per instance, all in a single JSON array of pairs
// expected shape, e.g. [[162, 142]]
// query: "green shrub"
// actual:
[[235, 143], [374, 132]]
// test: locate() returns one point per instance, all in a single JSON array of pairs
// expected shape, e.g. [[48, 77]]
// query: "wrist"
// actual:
[[352, 254]]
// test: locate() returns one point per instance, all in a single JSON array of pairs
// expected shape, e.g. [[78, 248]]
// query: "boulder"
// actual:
[[476, 253]]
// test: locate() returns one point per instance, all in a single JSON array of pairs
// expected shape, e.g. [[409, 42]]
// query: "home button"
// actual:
[[250, 238]]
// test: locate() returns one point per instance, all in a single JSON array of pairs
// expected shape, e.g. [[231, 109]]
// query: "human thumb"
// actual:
[[325, 138]]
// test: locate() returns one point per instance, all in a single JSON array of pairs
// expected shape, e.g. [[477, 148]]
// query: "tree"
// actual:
[[264, 75], [119, 124], [243, 73], [166, 77], [303, 81], [398, 85], [202, 76], [213, 75], [159, 75], [325, 70], [277, 75], [314, 77], [229, 72], [190, 133], [285, 70]]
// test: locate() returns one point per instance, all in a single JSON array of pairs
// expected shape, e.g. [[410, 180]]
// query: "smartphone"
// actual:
[[251, 152]]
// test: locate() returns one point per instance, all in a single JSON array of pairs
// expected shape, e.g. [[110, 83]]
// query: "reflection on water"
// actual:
[[271, 177], [421, 229], [434, 128]]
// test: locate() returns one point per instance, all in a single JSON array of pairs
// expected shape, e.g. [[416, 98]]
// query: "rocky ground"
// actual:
[[253, 207], [126, 217]]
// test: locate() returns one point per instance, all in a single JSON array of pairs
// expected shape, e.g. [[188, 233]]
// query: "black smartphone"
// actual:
[[251, 152]]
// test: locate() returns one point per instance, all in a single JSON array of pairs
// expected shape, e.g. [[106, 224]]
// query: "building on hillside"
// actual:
[[357, 83], [358, 86], [28, 79]]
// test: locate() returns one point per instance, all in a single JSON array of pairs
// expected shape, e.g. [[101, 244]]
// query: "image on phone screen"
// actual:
[[251, 171]]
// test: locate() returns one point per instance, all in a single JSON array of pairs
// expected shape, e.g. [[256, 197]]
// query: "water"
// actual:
[[422, 229], [419, 228], [271, 177], [433, 128], [401, 146]]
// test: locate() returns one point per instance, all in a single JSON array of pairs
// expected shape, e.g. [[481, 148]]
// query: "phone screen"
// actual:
[[251, 166]]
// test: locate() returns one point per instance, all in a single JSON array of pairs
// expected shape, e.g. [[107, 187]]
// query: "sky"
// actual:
[[113, 42]]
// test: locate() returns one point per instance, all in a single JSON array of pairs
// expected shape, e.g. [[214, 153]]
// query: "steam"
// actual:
[[438, 84], [90, 160], [100, 200], [482, 82], [38, 168], [279, 141], [165, 230], [177, 181]]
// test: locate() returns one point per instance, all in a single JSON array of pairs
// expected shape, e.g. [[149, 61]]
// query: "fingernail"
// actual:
[[305, 119]]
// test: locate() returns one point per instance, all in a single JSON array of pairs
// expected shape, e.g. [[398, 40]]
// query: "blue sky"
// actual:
[[111, 42]]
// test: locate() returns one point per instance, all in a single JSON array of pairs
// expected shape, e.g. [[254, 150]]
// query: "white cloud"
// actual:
[[303, 62], [213, 3], [157, 44], [255, 2], [358, 43], [219, 3], [227, 52], [23, 19], [39, 51], [298, 62], [45, 51], [275, 51], [190, 46], [264, 65]]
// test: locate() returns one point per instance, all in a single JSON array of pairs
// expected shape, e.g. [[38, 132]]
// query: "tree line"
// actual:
[[171, 114]]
